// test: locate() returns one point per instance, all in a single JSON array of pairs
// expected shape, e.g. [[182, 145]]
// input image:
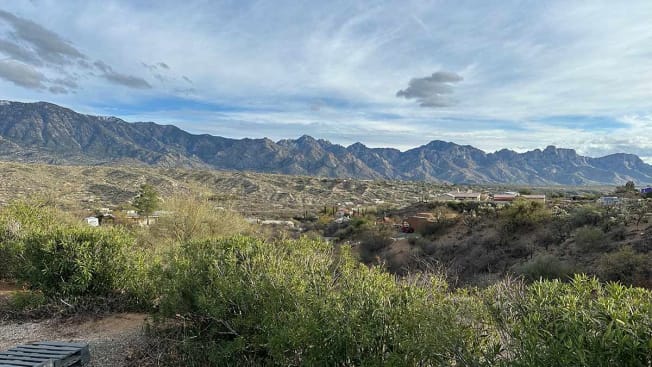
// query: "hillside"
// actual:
[[78, 187], [46, 133]]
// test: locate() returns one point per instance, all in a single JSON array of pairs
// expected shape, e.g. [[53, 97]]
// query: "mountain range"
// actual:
[[47, 133]]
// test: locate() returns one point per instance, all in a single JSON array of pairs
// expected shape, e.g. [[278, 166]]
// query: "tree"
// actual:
[[146, 201], [471, 220], [641, 209], [629, 186]]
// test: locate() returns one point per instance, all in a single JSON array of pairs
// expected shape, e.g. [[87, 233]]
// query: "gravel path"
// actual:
[[112, 338]]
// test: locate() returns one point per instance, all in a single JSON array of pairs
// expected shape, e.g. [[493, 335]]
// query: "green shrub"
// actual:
[[24, 301], [372, 242], [17, 221], [75, 261], [523, 215], [247, 302], [544, 266], [193, 217], [590, 239], [581, 323], [627, 266], [585, 216]]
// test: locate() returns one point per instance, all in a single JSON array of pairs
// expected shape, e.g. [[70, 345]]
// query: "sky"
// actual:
[[510, 74]]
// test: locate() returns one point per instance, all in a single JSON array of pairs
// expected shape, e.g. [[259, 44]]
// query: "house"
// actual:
[[464, 196], [609, 200], [505, 197]]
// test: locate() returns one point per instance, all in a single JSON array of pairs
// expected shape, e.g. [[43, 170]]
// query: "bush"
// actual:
[[581, 323], [24, 301], [246, 302], [372, 242], [193, 217], [17, 221], [590, 239], [627, 266], [522, 216], [75, 261], [463, 206], [544, 266], [436, 228], [585, 216]]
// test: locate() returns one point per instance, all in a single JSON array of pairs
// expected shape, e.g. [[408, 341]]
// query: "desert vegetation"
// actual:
[[478, 244], [222, 292]]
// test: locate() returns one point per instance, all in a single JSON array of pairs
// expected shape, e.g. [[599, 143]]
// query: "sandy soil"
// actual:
[[112, 338]]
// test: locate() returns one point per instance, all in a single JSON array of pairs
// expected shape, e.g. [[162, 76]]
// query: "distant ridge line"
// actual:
[[47, 133]]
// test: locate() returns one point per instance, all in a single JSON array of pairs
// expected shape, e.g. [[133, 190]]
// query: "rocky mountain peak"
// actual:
[[45, 132]]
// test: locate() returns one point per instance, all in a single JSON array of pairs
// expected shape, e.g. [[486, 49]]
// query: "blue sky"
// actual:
[[509, 74]]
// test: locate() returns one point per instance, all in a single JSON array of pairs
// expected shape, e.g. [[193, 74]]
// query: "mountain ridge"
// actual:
[[47, 133]]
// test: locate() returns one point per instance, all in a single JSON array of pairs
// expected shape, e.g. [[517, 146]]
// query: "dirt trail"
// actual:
[[112, 338]]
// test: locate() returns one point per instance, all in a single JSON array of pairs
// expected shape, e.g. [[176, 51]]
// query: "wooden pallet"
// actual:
[[46, 354]]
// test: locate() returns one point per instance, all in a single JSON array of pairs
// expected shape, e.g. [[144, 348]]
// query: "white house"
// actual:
[[609, 200]]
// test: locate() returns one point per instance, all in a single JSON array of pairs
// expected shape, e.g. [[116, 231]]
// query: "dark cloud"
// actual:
[[69, 82], [47, 44], [187, 79], [22, 74], [102, 66], [160, 72], [150, 67], [31, 47], [84, 64], [154, 67], [432, 91], [19, 53], [122, 79], [127, 80], [58, 90]]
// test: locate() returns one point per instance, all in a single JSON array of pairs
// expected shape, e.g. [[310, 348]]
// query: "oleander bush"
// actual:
[[580, 323], [244, 301], [75, 261], [17, 221]]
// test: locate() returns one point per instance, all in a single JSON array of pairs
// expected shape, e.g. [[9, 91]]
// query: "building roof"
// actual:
[[464, 194], [504, 197]]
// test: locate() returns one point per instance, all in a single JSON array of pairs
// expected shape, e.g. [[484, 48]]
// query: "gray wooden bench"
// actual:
[[46, 354]]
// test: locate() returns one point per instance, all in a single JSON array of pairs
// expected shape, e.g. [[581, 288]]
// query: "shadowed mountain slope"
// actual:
[[47, 133]]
